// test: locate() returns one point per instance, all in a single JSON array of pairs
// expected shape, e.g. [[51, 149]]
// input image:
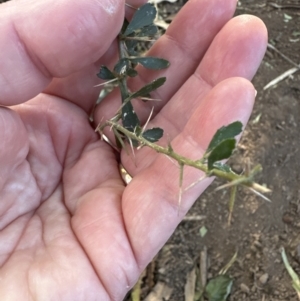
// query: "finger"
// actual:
[[15, 173], [184, 44], [93, 193], [150, 201], [57, 39]]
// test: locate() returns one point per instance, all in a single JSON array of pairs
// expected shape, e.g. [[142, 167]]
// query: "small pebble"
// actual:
[[244, 288], [264, 278]]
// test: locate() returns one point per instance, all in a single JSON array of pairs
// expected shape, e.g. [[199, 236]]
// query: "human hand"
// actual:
[[70, 228]]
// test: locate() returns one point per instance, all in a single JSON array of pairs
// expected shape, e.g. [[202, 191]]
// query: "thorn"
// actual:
[[132, 150], [104, 138], [172, 161], [232, 183], [179, 200], [195, 183], [181, 166], [131, 6], [149, 118], [108, 82], [170, 148], [151, 99], [260, 195], [139, 39]]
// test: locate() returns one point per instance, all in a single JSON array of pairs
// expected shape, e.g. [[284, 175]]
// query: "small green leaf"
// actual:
[[225, 132], [122, 66], [219, 288], [131, 72], [153, 63], [130, 119], [148, 88], [203, 231], [222, 151], [131, 46], [144, 16], [105, 73], [153, 135]]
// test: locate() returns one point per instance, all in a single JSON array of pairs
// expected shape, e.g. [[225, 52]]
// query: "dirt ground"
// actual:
[[258, 229]]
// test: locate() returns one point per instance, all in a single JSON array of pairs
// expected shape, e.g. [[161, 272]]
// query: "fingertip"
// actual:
[[252, 24], [236, 51]]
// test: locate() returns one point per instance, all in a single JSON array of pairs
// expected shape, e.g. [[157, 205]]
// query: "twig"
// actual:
[[286, 73], [283, 55], [279, 6], [224, 270], [281, 77], [203, 267], [198, 164], [195, 218]]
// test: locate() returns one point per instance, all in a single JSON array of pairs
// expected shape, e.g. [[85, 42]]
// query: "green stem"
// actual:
[[198, 164]]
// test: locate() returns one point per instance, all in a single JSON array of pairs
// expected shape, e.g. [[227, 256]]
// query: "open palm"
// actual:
[[69, 227]]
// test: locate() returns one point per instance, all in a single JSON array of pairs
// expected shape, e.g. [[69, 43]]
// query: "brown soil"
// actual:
[[258, 228]]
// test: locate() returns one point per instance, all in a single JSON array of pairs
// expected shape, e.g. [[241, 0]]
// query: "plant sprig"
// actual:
[[130, 131]]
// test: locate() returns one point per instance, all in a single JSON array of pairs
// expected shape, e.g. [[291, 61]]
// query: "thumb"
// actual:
[[44, 39]]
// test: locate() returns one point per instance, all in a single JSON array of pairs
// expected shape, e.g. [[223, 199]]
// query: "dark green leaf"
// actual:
[[218, 288], [147, 31], [131, 72], [223, 167], [225, 132], [153, 63], [122, 66], [153, 135], [129, 117], [148, 88], [144, 16], [124, 26], [131, 47], [105, 73], [220, 152]]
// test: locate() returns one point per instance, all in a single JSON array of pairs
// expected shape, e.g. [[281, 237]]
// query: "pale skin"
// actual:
[[70, 229]]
